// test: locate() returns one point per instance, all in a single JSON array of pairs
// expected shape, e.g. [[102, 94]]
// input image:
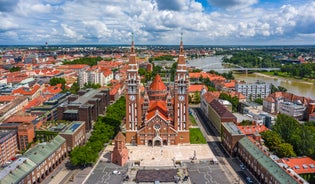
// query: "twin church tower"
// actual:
[[157, 114]]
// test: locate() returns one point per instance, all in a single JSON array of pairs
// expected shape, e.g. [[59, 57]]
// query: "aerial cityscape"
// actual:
[[157, 91]]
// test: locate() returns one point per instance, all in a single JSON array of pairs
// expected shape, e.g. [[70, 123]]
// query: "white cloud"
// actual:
[[153, 21], [68, 32]]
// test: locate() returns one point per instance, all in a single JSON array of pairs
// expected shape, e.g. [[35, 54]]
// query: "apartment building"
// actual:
[[8, 146], [253, 90]]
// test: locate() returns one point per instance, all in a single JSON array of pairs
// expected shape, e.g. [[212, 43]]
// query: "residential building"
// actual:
[[230, 137], [158, 115], [262, 166], [36, 164], [289, 104], [25, 133], [253, 90], [74, 134], [95, 76], [295, 110], [10, 108], [8, 146], [85, 106], [304, 166], [216, 112]]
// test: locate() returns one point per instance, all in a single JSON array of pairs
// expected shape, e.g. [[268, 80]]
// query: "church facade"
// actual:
[[157, 115]]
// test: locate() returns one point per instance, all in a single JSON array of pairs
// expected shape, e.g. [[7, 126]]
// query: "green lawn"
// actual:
[[196, 136], [192, 120]]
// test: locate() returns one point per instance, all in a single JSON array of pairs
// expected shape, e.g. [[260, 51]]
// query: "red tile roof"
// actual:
[[52, 89], [26, 91], [196, 87], [209, 97], [7, 98], [157, 107], [300, 165], [20, 119], [157, 84], [252, 129]]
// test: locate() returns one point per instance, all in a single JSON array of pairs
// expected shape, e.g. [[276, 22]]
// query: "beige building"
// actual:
[[8, 146]]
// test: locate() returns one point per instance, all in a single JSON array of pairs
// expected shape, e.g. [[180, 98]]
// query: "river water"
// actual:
[[296, 87]]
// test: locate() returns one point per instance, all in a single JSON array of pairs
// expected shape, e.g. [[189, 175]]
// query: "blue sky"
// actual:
[[203, 22]]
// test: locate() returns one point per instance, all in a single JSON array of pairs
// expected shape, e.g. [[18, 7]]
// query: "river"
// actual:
[[296, 87]]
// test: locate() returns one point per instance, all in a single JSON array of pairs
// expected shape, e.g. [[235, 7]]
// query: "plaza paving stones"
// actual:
[[200, 172], [166, 155]]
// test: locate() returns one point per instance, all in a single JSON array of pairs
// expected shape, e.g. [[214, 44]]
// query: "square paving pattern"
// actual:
[[166, 155]]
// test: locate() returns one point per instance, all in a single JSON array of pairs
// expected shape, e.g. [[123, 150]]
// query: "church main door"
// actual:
[[157, 143]]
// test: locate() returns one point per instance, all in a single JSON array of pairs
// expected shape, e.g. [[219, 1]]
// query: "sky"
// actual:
[[202, 22]]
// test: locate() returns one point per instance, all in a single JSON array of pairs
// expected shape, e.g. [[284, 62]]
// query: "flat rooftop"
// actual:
[[86, 97], [73, 127], [232, 128]]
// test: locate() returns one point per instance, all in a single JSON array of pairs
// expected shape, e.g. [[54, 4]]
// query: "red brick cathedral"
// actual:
[[157, 115]]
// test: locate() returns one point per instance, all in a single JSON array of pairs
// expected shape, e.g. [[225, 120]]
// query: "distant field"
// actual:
[[196, 136]]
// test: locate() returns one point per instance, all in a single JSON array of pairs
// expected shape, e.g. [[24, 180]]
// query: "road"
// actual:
[[231, 165]]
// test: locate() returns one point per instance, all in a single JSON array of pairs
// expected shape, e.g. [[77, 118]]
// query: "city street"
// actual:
[[231, 164]]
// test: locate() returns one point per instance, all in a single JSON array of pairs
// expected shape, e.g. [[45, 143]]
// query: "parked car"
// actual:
[[116, 172], [242, 166], [249, 180]]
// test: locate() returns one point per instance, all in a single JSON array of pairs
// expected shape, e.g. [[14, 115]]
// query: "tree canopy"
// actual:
[[105, 128], [86, 60], [54, 81]]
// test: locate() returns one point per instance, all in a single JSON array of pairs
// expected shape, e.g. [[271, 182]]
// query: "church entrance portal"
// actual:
[[150, 143], [157, 143]]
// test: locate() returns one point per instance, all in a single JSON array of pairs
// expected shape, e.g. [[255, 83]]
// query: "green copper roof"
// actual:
[[20, 168], [43, 150], [17, 171], [272, 167]]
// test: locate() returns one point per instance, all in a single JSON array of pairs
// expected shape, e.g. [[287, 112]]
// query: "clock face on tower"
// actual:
[[132, 97], [181, 98]]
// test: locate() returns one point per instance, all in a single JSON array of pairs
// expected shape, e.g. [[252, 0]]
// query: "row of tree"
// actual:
[[306, 70], [105, 128], [91, 61], [252, 59], [290, 138]]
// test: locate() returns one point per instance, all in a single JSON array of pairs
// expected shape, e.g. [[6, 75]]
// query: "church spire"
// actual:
[[132, 56], [181, 57]]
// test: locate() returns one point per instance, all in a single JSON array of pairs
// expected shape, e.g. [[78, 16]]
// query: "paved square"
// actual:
[[166, 155]]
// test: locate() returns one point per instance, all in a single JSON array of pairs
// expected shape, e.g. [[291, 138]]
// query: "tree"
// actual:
[[233, 100], [246, 122], [74, 88], [285, 126], [82, 156], [197, 97], [15, 69], [285, 150], [54, 81], [142, 71], [91, 85], [272, 139]]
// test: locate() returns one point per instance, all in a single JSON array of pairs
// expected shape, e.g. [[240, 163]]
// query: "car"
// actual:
[[242, 166], [116, 172], [249, 180]]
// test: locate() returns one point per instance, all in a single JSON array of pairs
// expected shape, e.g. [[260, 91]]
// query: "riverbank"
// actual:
[[289, 79]]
